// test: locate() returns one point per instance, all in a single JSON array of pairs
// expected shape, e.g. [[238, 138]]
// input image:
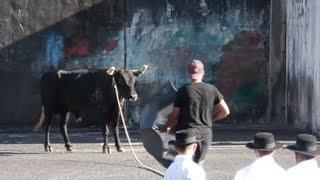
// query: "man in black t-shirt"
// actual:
[[193, 109]]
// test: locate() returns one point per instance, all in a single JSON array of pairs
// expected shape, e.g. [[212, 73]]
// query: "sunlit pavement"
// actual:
[[22, 156]]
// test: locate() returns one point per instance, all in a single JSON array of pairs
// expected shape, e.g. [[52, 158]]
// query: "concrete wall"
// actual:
[[230, 36], [22, 18], [303, 73], [25, 31], [277, 69]]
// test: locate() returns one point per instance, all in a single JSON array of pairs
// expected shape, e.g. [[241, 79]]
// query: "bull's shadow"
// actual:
[[13, 153]]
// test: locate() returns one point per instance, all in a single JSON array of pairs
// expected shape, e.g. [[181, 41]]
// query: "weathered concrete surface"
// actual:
[[245, 58], [22, 161], [41, 36], [22, 156], [303, 65], [275, 111], [22, 18]]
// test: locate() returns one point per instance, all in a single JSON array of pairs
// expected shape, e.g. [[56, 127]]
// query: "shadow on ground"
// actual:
[[222, 134]]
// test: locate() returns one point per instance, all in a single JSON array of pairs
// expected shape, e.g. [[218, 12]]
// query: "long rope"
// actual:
[[129, 140]]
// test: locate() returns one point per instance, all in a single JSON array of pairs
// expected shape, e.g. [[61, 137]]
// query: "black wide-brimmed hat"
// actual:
[[184, 137], [264, 141], [305, 144]]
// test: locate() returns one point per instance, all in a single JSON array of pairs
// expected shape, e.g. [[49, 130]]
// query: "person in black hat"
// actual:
[[264, 167], [306, 151], [183, 167]]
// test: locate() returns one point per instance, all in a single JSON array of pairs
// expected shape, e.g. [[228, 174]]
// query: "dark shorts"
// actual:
[[203, 146]]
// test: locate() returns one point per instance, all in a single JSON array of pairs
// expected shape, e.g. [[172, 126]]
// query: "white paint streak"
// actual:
[[303, 65]]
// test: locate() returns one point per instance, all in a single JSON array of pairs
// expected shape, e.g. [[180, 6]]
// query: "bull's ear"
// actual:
[[141, 71], [111, 71]]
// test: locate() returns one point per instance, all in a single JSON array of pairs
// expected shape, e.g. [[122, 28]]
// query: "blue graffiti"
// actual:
[[54, 51]]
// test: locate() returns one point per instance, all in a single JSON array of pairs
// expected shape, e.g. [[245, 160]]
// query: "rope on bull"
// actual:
[[128, 138]]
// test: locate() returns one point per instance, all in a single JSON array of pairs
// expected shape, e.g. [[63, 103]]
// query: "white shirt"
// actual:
[[263, 168], [305, 170], [184, 168]]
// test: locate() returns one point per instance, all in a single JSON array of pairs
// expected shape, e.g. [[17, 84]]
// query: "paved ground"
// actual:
[[22, 156]]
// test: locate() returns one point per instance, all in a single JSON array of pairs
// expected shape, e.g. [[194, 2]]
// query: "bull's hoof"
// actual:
[[48, 149], [69, 149], [120, 150], [106, 150]]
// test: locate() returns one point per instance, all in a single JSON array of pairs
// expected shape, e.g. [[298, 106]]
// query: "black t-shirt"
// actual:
[[196, 102]]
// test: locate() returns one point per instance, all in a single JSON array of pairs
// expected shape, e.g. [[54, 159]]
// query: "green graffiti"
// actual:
[[249, 94]]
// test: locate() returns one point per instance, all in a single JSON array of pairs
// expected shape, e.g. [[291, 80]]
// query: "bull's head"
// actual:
[[125, 80]]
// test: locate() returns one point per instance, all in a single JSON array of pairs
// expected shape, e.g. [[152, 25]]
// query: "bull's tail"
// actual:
[[40, 121]]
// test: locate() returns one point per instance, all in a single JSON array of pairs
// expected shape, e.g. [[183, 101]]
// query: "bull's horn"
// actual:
[[140, 71], [144, 69], [111, 70]]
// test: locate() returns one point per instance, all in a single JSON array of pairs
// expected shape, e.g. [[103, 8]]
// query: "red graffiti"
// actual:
[[243, 58], [78, 49], [112, 45]]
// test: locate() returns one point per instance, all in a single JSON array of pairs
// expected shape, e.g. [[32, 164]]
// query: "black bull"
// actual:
[[80, 91]]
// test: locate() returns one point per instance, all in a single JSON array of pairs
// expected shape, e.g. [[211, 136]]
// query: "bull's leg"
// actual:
[[105, 134], [115, 131], [63, 129], [116, 128], [47, 123]]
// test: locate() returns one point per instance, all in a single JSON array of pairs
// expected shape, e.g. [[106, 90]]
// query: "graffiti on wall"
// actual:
[[54, 50], [233, 44], [230, 36]]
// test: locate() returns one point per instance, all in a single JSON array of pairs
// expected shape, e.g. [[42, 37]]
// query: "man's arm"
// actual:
[[223, 111], [172, 120]]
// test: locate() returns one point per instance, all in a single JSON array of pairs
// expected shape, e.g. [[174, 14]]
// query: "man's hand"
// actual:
[[172, 120], [223, 111]]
